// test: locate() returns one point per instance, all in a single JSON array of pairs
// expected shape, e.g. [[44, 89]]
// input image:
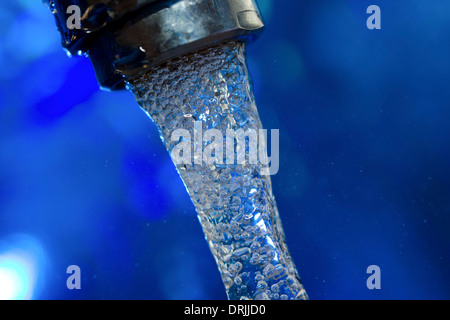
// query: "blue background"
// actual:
[[364, 176]]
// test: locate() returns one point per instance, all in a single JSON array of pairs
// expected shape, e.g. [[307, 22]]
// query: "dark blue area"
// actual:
[[364, 158]]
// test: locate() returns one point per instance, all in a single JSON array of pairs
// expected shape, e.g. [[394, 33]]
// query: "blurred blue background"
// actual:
[[364, 176]]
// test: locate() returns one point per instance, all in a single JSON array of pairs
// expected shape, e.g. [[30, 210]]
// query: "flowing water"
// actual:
[[234, 202]]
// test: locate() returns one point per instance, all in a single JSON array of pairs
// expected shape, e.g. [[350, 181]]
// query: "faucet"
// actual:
[[123, 38]]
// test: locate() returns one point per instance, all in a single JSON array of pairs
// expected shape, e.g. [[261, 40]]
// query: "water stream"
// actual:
[[211, 89]]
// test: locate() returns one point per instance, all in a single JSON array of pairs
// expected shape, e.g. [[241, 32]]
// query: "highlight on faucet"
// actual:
[[224, 150]]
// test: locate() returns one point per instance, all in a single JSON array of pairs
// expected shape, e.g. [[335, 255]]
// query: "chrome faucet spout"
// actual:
[[123, 38]]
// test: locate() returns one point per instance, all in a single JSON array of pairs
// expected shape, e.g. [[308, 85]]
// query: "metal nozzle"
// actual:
[[125, 37]]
